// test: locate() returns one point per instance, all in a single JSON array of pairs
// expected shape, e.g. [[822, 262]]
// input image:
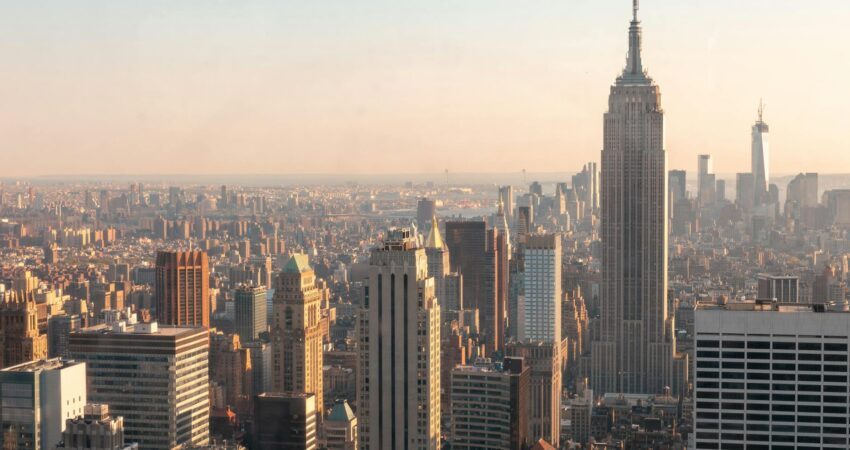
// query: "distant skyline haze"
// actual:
[[381, 86]]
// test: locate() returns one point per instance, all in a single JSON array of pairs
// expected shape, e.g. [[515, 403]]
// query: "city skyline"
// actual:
[[248, 88]]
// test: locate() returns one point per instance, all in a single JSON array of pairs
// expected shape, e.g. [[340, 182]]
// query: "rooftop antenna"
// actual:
[[761, 108], [635, 6]]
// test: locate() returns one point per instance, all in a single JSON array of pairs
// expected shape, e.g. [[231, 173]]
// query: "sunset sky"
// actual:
[[389, 86]]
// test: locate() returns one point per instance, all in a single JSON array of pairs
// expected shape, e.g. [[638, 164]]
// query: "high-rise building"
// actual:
[[720, 191], [770, 375], [745, 191], [539, 314], [803, 190], [340, 427], [635, 344], [481, 257], [586, 187], [785, 289], [59, 329], [760, 159], [544, 404], [296, 331], [705, 180], [250, 315], [506, 198], [524, 221], [20, 339], [95, 430], [426, 209], [182, 288], [37, 396], [285, 420], [157, 378], [490, 405], [398, 387], [677, 183]]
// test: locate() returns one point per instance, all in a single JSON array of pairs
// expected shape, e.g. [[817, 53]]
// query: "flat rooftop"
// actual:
[[42, 364], [141, 328]]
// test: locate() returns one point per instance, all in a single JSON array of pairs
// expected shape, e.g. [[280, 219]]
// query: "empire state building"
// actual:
[[633, 350]]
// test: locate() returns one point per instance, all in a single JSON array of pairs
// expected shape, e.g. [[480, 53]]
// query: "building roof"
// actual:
[[297, 263], [341, 412], [435, 240], [542, 445]]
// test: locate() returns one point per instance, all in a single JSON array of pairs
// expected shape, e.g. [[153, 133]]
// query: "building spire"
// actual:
[[634, 65]]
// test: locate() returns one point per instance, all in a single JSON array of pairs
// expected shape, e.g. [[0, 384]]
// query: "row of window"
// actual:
[[776, 345]]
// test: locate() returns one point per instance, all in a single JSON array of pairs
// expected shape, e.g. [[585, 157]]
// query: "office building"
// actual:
[[705, 180], [489, 405], [426, 209], [771, 375], [524, 221], [297, 333], [745, 191], [545, 386], [398, 387], [761, 159], [250, 316], [59, 329], [171, 407], [20, 338], [635, 345], [481, 257], [340, 427], [803, 190], [677, 185], [96, 429], [284, 421], [36, 399], [785, 289], [261, 365], [182, 288], [539, 315]]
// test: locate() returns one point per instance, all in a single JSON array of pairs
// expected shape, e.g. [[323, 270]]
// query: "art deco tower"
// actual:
[[296, 333], [633, 349]]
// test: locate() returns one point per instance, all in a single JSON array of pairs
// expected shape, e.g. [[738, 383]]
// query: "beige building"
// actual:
[[398, 389], [297, 332], [544, 358], [95, 430], [157, 378], [20, 340]]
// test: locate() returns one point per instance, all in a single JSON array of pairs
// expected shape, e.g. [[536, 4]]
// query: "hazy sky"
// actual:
[[368, 86]]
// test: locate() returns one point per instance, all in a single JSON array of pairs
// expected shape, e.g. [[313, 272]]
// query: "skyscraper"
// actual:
[[182, 288], [635, 343], [426, 209], [250, 314], [506, 197], [296, 331], [539, 316], [480, 256], [761, 159], [398, 386], [705, 180], [157, 378]]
